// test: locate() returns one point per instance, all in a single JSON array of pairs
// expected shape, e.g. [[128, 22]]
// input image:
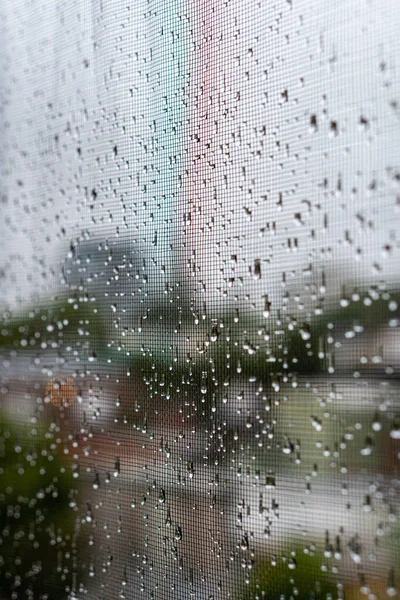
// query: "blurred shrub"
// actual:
[[36, 514]]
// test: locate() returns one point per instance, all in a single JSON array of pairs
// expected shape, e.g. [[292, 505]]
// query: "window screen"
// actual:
[[199, 348]]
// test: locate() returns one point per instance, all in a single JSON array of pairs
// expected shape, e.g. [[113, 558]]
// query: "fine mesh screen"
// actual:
[[199, 348]]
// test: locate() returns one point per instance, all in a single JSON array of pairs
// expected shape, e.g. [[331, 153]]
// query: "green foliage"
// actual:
[[36, 521], [304, 582], [79, 322]]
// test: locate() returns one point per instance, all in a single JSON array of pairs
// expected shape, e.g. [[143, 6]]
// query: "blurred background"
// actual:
[[199, 347]]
